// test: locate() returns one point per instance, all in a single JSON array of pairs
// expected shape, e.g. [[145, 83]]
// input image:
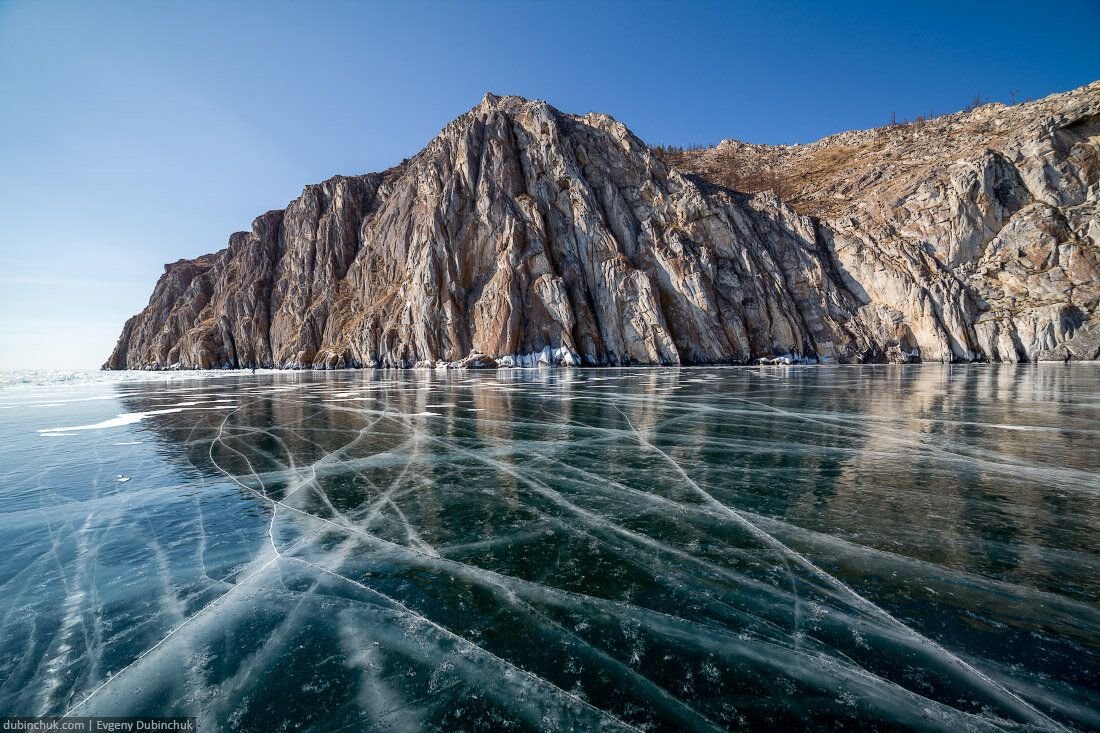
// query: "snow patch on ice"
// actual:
[[126, 418]]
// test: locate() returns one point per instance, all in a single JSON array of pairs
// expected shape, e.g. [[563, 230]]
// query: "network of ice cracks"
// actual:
[[542, 550]]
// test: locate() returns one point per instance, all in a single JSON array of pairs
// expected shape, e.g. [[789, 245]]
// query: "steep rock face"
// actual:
[[523, 235], [974, 234]]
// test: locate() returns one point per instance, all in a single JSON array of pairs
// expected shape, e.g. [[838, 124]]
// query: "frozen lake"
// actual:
[[647, 549]]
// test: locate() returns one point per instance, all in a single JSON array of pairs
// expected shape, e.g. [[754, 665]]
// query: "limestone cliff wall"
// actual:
[[522, 234]]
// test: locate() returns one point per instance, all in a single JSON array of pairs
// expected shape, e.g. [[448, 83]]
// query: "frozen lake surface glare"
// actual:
[[639, 549]]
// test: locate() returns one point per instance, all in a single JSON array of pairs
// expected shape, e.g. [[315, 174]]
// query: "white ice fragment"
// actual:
[[547, 357]]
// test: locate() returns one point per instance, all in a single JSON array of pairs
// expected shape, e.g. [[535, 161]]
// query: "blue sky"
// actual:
[[134, 134]]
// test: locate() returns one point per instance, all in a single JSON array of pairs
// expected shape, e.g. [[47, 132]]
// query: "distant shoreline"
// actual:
[[11, 379]]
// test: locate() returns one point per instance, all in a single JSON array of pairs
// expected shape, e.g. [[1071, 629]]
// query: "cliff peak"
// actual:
[[535, 237]]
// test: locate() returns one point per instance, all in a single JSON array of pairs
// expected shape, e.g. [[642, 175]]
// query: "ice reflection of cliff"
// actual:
[[991, 470], [647, 549]]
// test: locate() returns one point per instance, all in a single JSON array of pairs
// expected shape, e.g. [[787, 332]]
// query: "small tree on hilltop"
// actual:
[[976, 102]]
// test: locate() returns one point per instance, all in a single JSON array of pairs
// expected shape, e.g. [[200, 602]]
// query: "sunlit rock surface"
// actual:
[[970, 236], [776, 548], [522, 234]]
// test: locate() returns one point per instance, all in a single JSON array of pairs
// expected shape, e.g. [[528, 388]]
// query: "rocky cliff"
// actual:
[[524, 235]]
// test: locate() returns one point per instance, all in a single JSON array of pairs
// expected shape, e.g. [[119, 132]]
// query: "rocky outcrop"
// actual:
[[523, 236], [974, 236]]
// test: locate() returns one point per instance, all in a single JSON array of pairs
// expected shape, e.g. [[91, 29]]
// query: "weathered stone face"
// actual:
[[975, 234], [523, 235]]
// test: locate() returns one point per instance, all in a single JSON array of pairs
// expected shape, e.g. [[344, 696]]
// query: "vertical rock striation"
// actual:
[[523, 235], [972, 236]]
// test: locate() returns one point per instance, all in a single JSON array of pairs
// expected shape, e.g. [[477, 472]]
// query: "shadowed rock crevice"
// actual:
[[522, 235]]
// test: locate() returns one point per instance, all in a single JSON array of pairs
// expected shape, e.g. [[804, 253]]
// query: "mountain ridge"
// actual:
[[521, 235]]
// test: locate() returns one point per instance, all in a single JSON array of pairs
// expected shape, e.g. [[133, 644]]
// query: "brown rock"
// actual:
[[522, 235]]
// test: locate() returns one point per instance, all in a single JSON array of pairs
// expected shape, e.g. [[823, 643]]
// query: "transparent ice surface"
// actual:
[[650, 549]]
